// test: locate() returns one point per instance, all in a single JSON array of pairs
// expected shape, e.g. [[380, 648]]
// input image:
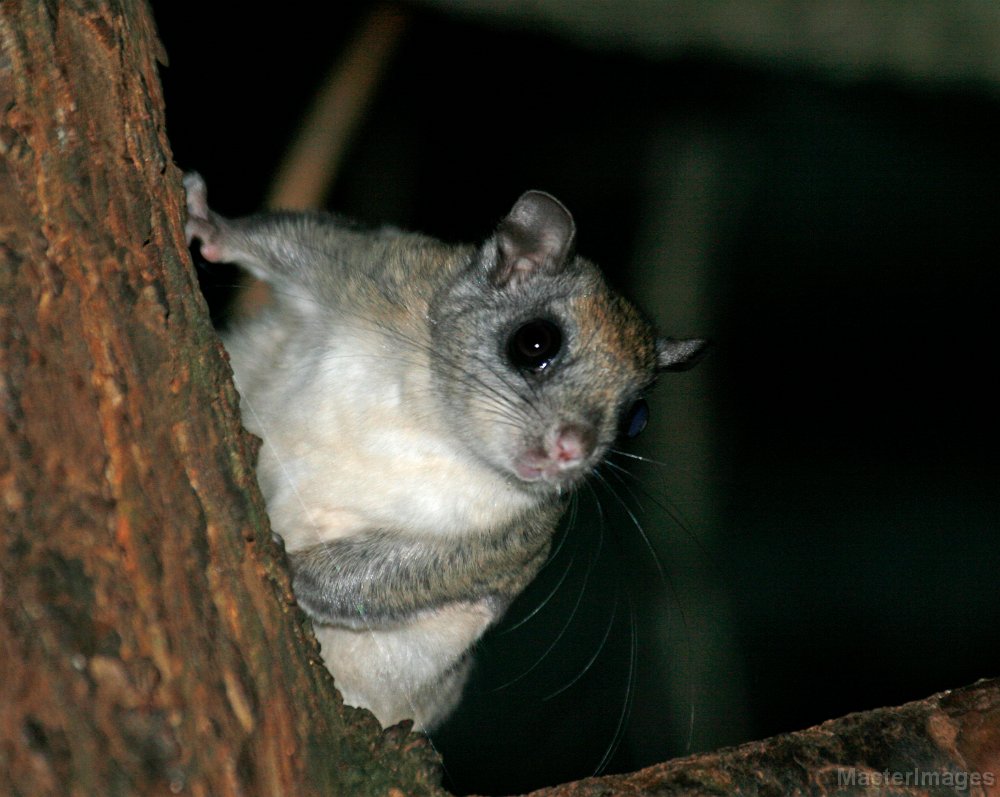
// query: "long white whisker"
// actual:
[[544, 602], [594, 657], [629, 693], [671, 511], [618, 452], [638, 526], [672, 589], [562, 631]]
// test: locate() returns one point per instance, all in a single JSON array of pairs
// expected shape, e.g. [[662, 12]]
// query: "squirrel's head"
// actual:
[[540, 365]]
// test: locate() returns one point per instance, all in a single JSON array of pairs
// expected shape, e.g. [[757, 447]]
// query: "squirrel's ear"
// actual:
[[679, 355], [536, 236]]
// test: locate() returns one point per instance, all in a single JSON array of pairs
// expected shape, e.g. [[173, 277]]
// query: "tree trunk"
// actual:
[[150, 641]]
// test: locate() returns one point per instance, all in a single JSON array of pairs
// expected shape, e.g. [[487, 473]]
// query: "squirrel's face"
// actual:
[[584, 367], [539, 365], [539, 380]]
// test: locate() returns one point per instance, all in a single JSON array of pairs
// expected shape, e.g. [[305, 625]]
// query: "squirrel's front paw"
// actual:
[[202, 223]]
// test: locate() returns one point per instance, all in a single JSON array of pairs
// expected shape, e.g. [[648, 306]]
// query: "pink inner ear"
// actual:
[[523, 265], [552, 245]]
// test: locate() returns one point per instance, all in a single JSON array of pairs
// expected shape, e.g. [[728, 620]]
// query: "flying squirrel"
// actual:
[[426, 410]]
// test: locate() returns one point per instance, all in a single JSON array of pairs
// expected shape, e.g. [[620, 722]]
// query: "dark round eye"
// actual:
[[534, 345], [635, 419]]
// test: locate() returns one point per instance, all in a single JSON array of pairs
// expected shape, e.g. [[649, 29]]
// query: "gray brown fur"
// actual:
[[413, 464], [385, 577]]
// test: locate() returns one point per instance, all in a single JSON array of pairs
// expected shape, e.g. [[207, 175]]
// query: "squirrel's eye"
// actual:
[[635, 419], [534, 345]]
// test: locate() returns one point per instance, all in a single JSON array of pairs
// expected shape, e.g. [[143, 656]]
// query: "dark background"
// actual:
[[847, 517]]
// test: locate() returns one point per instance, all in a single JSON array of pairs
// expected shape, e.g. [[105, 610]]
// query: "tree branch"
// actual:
[[948, 744]]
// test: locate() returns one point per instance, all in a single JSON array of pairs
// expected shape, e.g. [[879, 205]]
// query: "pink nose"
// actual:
[[572, 445], [560, 457]]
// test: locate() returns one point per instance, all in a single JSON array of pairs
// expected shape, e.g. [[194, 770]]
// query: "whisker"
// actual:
[[594, 657], [543, 602], [563, 536], [635, 522], [525, 391], [562, 631], [675, 598], [648, 460], [574, 503], [626, 712], [667, 507]]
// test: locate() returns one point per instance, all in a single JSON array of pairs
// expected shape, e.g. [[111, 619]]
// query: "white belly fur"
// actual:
[[379, 459], [397, 673]]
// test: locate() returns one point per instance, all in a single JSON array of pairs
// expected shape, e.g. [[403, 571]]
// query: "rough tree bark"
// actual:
[[948, 744], [148, 640], [150, 643]]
